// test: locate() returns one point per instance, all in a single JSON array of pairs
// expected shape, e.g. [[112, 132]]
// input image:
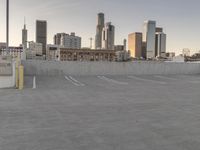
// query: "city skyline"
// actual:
[[179, 21]]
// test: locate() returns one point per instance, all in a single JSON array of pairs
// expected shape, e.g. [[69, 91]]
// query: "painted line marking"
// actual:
[[163, 77], [190, 76], [112, 80], [148, 80], [34, 82], [194, 82], [73, 81]]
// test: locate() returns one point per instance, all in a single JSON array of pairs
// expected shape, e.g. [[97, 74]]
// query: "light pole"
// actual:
[[7, 26]]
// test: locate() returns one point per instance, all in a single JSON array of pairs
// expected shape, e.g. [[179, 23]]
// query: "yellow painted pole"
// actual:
[[21, 77], [17, 73], [17, 77]]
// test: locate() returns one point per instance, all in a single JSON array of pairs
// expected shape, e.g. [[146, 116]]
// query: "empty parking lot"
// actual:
[[102, 113]]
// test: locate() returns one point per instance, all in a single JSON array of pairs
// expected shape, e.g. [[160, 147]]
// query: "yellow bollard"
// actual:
[[17, 77], [21, 77], [17, 73]]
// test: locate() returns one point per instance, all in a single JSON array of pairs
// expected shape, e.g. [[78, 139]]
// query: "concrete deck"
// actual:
[[102, 113]]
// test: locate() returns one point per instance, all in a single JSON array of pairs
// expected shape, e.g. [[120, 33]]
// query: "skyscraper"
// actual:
[[135, 44], [160, 43], [41, 34], [149, 38], [57, 38], [125, 42], [108, 37], [24, 36], [99, 29]]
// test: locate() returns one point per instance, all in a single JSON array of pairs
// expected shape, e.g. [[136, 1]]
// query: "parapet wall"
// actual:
[[53, 68], [7, 74], [5, 66]]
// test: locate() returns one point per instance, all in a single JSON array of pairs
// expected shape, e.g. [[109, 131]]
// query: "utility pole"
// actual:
[[7, 26]]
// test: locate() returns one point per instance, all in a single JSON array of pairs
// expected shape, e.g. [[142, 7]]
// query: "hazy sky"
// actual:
[[180, 18]]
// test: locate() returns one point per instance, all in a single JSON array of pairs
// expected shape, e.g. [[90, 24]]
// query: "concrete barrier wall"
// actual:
[[52, 68], [8, 81]]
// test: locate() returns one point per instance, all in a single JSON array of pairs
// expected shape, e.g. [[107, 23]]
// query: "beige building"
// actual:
[[36, 48], [52, 52], [135, 44], [65, 54], [14, 52]]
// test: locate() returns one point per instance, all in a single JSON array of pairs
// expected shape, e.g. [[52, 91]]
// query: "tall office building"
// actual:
[[160, 44], [67, 41], [99, 29], [125, 43], [135, 44], [57, 38], [108, 37], [149, 37], [24, 37], [41, 34]]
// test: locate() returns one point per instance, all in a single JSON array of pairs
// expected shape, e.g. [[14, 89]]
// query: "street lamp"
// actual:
[[7, 26]]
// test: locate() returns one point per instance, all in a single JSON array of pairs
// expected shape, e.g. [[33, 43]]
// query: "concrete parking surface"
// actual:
[[102, 113]]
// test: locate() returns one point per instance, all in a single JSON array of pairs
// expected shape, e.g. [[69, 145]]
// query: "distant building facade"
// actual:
[[99, 29], [67, 41], [67, 54], [121, 47], [170, 54], [149, 38], [108, 36], [86, 55], [135, 44], [13, 51], [57, 38], [186, 52], [160, 46], [122, 55], [41, 34], [52, 52], [36, 49], [2, 45]]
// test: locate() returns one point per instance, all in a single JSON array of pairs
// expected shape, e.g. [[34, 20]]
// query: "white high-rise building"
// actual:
[[160, 43], [149, 38], [67, 41], [108, 37]]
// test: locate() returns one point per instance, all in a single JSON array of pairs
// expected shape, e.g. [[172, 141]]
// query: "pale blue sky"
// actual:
[[180, 18]]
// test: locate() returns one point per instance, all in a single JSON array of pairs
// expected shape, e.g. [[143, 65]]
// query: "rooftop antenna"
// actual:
[[24, 22]]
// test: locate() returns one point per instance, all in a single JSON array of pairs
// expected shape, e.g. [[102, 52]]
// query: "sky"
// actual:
[[179, 18]]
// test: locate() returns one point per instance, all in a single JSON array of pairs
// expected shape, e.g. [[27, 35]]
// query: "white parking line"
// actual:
[[190, 77], [163, 77], [112, 80], [73, 81], [34, 82], [194, 82], [148, 80]]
